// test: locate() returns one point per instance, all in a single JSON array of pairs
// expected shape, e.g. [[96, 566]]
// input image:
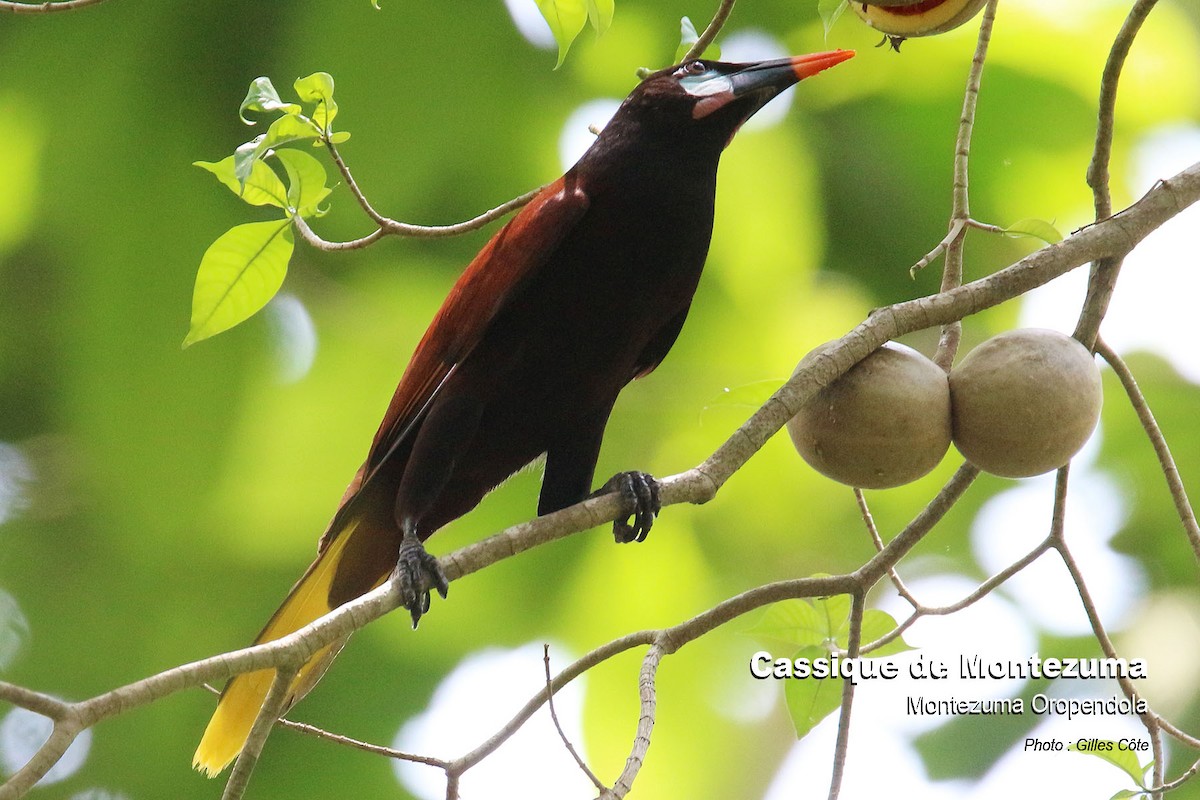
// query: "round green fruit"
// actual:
[[884, 423], [1024, 402]]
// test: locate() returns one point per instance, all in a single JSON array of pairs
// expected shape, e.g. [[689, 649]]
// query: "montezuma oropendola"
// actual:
[[581, 292]]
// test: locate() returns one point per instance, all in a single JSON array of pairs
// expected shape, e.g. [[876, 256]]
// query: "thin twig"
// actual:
[[980, 592], [1158, 757], [314, 240], [357, 744], [581, 665], [1182, 736], [1098, 630], [458, 228], [641, 740], [877, 540], [1149, 718], [960, 214], [841, 749], [1058, 516], [1166, 461], [264, 723], [557, 726], [1184, 778], [871, 572], [710, 32], [1103, 278], [352, 184], [391, 227], [956, 230]]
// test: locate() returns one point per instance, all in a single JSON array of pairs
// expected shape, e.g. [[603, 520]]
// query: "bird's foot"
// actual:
[[639, 490], [416, 574]]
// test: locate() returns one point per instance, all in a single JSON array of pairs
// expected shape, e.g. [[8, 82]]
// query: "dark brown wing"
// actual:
[[499, 270]]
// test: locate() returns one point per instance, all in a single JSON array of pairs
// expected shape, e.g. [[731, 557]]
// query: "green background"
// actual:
[[174, 495]]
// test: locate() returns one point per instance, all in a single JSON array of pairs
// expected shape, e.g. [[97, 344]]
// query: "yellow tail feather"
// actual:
[[240, 702]]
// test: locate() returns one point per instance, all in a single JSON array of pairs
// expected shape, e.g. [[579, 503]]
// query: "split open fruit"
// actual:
[[917, 19]]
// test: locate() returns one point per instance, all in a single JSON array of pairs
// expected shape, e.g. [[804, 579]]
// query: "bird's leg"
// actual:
[[417, 572], [570, 465], [639, 490], [442, 439]]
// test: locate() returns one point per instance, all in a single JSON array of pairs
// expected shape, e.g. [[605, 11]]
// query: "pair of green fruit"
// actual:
[[1020, 404]]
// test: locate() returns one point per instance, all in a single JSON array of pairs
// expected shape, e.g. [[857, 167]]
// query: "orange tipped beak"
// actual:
[[811, 64], [761, 80]]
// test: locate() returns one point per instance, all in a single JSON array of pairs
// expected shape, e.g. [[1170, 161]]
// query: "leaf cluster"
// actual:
[[244, 268]]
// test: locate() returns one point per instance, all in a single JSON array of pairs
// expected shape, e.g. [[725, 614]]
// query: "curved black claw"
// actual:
[[415, 570], [639, 490]]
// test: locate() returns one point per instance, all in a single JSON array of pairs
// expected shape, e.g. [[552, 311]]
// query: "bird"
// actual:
[[581, 292]]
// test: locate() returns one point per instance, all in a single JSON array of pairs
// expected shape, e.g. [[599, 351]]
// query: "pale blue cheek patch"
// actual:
[[712, 88]]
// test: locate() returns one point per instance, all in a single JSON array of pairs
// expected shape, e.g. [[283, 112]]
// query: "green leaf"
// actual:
[[318, 88], [1038, 228], [262, 186], [306, 181], [239, 273], [286, 129], [830, 10], [688, 37], [263, 98], [244, 157], [876, 624], [835, 616], [810, 700], [292, 128], [1125, 794], [565, 18], [794, 622], [600, 14], [1124, 760]]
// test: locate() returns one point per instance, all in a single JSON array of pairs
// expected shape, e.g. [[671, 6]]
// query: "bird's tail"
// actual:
[[244, 694]]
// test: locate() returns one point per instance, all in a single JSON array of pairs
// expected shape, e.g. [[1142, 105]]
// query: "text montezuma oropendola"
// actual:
[[581, 292]]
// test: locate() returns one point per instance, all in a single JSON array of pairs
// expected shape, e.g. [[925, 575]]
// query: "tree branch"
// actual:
[[46, 8]]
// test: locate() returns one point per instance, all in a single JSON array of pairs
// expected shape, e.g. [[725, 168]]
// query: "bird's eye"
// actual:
[[697, 68]]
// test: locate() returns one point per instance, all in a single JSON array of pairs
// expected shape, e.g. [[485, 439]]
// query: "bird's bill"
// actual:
[[763, 78], [809, 65]]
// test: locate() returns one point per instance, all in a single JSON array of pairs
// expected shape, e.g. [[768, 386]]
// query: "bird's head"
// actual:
[[716, 97]]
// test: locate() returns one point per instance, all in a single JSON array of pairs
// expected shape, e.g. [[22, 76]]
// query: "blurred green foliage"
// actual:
[[177, 494]]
